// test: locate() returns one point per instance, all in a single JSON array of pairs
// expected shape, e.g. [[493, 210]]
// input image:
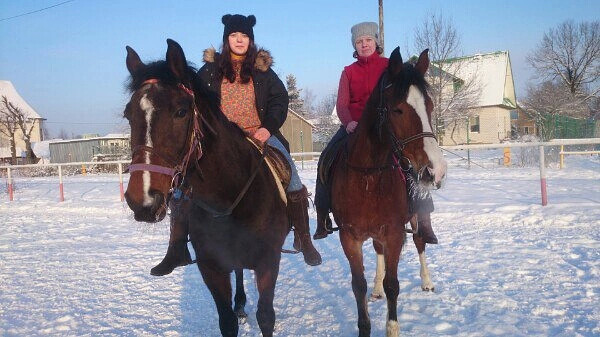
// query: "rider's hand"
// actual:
[[351, 126], [261, 135]]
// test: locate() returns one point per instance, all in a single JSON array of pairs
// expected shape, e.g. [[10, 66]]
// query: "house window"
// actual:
[[514, 114], [456, 85], [526, 130], [474, 123]]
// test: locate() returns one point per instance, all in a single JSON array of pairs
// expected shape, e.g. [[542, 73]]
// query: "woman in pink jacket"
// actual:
[[356, 84]]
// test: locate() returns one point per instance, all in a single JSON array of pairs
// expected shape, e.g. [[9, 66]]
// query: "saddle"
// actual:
[[278, 165], [327, 158]]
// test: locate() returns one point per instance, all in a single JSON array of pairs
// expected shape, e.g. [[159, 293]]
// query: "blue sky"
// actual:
[[68, 62]]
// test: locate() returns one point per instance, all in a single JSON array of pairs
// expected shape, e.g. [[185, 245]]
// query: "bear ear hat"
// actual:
[[226, 18], [251, 20]]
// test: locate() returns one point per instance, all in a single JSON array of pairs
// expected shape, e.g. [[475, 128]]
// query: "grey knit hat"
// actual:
[[365, 29]]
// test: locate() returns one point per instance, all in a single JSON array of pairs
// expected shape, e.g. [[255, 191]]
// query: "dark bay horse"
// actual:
[[237, 218], [369, 197]]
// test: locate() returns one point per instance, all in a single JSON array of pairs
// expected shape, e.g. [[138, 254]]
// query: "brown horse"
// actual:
[[369, 197], [180, 140]]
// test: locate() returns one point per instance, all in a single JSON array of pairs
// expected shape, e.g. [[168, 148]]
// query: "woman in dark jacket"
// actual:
[[252, 96]]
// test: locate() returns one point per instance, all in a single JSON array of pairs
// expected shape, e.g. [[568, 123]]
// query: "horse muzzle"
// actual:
[[433, 176], [152, 210]]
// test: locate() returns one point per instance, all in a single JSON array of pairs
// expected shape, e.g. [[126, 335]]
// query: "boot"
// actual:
[[298, 213], [177, 254], [324, 227], [322, 204], [424, 229]]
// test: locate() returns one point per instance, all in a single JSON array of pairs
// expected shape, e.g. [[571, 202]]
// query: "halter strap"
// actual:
[[176, 170]]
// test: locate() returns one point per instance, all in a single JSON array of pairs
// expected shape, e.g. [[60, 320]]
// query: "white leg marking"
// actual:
[[392, 329], [378, 292], [426, 283], [148, 108], [417, 101]]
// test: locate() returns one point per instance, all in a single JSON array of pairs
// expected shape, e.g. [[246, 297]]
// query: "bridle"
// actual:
[[398, 145], [176, 171]]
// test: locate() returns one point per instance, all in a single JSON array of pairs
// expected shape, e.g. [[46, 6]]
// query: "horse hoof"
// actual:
[[242, 317], [375, 297], [319, 236]]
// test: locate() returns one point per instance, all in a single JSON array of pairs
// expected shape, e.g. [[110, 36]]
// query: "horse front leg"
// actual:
[[219, 284], [266, 277], [393, 247], [240, 296], [426, 284], [353, 250], [378, 293]]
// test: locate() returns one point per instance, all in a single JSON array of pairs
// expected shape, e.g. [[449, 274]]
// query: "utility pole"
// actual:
[[381, 39]]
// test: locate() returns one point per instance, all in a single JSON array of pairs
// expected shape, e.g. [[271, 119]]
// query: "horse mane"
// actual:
[[401, 82], [157, 70]]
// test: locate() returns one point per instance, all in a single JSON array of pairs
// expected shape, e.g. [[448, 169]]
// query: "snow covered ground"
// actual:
[[505, 265]]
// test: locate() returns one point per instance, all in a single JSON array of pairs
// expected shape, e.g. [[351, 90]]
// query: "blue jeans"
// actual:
[[295, 182]]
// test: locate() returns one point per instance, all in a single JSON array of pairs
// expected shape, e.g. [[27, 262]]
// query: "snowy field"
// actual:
[[505, 265]]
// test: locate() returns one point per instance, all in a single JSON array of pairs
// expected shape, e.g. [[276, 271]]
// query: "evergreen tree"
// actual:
[[296, 102]]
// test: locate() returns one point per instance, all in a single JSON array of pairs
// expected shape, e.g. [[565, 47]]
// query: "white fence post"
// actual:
[[61, 196], [10, 185], [543, 176]]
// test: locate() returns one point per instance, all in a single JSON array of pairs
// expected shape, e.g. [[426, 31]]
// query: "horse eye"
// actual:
[[181, 113]]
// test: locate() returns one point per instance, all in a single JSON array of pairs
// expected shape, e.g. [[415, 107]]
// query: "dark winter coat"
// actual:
[[271, 96]]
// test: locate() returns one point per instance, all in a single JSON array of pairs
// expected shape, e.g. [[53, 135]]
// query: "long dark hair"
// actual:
[[226, 66]]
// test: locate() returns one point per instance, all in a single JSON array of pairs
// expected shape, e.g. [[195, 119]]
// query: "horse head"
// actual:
[[163, 121], [405, 101]]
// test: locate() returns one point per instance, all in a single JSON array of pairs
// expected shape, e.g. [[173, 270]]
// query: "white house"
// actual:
[[8, 90], [491, 121]]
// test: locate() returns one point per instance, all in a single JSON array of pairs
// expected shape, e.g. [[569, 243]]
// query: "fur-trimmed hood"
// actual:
[[263, 58]]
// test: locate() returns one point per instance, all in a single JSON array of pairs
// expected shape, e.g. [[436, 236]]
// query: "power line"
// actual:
[[36, 11]]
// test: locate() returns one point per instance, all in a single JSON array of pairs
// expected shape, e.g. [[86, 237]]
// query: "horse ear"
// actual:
[[395, 62], [133, 61], [176, 61], [423, 62]]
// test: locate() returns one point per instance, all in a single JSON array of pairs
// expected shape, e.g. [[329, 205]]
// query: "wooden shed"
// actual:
[[298, 132], [89, 149]]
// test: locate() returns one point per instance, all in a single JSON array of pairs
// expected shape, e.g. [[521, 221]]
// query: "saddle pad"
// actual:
[[327, 158], [278, 165]]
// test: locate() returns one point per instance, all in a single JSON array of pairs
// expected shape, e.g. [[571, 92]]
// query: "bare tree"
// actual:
[[22, 123], [8, 127], [326, 123], [309, 102], [63, 134], [453, 96], [570, 53], [551, 99]]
